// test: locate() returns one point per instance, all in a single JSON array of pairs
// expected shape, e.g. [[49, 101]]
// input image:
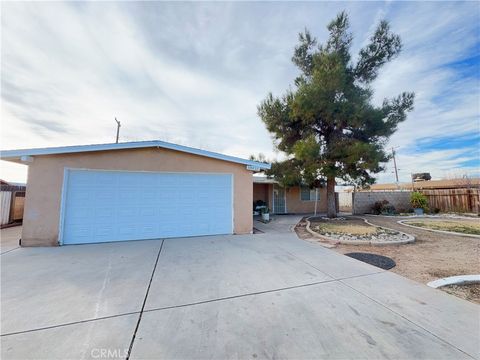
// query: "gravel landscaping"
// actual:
[[353, 229]]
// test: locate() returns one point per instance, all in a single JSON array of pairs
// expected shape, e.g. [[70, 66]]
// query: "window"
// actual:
[[307, 194]]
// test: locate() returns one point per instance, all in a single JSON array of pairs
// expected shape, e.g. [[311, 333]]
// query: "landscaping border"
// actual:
[[401, 222], [410, 239], [455, 280], [427, 216]]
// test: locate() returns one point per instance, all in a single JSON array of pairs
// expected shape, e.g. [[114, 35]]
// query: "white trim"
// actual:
[[233, 202], [152, 171], [61, 225], [66, 172], [16, 154], [261, 180]]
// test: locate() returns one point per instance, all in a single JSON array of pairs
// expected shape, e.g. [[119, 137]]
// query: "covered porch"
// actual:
[[287, 200]]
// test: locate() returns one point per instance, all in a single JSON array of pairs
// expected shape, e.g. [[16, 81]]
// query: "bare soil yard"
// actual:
[[430, 257], [456, 225]]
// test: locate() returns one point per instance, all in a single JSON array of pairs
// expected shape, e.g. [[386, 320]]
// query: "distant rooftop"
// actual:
[[430, 184]]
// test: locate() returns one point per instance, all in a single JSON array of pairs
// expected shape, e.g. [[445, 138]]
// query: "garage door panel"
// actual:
[[104, 206]]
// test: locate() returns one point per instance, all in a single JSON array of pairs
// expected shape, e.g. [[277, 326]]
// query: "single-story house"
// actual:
[[115, 192], [292, 200]]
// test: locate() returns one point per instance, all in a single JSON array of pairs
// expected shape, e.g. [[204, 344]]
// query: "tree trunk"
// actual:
[[331, 206]]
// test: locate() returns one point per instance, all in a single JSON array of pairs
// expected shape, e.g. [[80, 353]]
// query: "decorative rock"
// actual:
[[382, 236]]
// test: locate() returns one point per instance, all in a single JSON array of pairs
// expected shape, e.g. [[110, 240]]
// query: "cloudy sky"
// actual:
[[193, 74]]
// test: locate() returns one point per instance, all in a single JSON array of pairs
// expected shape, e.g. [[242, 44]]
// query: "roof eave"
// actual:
[[15, 155]]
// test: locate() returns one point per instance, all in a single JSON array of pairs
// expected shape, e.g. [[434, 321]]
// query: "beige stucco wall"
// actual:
[[260, 192], [45, 179], [294, 203], [297, 206]]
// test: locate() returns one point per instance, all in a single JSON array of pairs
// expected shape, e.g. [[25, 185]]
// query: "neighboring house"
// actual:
[[133, 191], [12, 196], [283, 200]]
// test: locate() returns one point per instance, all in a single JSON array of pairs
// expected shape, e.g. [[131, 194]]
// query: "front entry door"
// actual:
[[279, 202]]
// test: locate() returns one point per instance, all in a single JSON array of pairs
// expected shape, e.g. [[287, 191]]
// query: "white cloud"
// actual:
[[194, 73]]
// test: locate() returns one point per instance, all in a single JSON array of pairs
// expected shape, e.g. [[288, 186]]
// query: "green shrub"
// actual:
[[258, 203], [383, 207], [419, 201], [377, 207], [388, 209]]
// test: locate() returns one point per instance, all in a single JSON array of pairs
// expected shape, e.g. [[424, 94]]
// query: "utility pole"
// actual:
[[395, 165], [118, 130]]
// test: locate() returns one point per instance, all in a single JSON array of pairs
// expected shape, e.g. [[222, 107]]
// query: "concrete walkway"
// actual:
[[259, 296], [9, 238]]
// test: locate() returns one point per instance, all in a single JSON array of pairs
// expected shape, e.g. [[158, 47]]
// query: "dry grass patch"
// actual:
[[344, 226], [467, 292], [455, 225]]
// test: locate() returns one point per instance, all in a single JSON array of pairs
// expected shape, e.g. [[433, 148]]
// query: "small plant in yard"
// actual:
[[377, 207], [383, 207], [388, 209], [257, 205], [265, 211], [419, 201]]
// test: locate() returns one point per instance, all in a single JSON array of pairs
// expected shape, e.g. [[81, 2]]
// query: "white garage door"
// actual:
[[101, 206]]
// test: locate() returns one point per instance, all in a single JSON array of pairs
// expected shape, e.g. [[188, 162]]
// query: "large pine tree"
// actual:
[[326, 124]]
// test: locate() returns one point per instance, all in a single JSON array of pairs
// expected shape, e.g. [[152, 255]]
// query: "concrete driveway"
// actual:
[[267, 295], [9, 238]]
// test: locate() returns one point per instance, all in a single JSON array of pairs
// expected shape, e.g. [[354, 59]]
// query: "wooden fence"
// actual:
[[456, 200]]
